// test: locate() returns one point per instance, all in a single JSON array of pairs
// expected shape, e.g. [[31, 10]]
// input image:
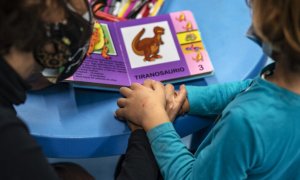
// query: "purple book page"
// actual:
[[105, 65], [169, 63]]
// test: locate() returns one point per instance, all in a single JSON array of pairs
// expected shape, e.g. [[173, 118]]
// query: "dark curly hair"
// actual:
[[20, 24]]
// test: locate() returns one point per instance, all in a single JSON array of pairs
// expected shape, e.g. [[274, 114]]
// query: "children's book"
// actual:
[[166, 48]]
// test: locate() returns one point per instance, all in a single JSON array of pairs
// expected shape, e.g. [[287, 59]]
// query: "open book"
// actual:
[[165, 48]]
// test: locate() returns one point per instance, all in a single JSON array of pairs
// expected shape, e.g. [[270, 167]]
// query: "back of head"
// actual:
[[277, 22]]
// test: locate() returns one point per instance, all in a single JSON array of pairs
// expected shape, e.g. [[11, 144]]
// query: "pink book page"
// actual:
[[189, 37], [183, 21]]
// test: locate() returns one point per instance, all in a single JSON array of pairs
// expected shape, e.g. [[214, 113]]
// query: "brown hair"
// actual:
[[19, 22], [278, 22]]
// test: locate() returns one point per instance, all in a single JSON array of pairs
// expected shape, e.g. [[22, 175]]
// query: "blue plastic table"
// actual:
[[80, 123]]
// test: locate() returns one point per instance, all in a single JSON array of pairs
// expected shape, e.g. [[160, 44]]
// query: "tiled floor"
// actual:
[[103, 168]]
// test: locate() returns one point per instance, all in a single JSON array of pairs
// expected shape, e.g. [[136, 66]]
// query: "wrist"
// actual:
[[133, 127], [154, 121]]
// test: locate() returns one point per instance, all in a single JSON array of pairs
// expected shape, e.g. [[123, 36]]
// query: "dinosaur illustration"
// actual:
[[105, 50], [98, 42], [148, 47], [198, 58], [188, 26], [93, 41], [97, 39], [181, 17]]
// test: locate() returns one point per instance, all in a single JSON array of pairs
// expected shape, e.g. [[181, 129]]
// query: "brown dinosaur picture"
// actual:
[[148, 47]]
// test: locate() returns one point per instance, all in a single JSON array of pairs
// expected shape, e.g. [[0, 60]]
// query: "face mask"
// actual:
[[266, 47], [65, 44]]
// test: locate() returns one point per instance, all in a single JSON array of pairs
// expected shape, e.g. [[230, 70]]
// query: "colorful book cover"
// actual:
[[166, 48]]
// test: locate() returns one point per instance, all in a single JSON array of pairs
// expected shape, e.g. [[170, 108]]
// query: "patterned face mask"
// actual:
[[65, 43]]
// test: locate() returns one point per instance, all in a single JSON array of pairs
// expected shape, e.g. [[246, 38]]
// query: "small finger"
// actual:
[[182, 89], [119, 114], [169, 90], [121, 102], [125, 91], [148, 83], [135, 86], [181, 94], [158, 85]]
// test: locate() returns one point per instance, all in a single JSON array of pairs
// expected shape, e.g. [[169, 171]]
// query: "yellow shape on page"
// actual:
[[99, 45], [97, 40]]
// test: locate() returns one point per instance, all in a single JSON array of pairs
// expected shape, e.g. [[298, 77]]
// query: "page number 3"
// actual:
[[201, 68]]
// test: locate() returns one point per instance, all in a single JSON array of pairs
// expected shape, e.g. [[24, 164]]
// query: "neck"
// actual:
[[286, 78], [21, 62]]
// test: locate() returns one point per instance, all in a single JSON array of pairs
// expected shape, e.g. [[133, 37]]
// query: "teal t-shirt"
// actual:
[[256, 137]]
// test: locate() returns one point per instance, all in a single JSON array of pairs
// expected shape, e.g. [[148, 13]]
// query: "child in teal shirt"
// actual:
[[257, 134]]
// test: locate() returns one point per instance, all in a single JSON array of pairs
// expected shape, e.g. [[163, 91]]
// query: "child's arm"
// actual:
[[227, 153], [211, 100], [202, 100], [139, 161]]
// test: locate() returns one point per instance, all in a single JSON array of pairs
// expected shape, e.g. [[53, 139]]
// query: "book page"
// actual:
[[104, 62], [153, 48]]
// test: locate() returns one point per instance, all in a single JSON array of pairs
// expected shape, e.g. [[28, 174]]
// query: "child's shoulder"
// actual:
[[263, 110], [261, 103], [263, 94]]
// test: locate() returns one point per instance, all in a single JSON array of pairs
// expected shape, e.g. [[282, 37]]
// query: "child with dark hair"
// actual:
[[257, 133]]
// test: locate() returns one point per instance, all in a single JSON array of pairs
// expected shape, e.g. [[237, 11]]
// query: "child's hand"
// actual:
[[174, 100], [143, 105], [133, 127]]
